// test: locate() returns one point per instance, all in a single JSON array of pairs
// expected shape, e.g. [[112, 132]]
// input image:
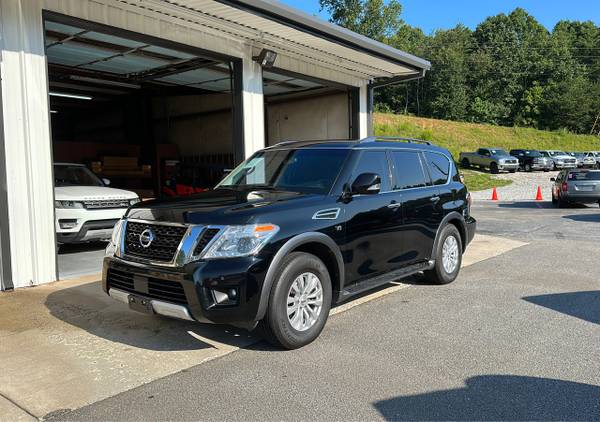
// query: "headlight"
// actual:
[[134, 201], [115, 240], [237, 241], [68, 204]]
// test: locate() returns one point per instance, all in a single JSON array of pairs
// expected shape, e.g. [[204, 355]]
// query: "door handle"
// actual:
[[394, 205], [435, 199]]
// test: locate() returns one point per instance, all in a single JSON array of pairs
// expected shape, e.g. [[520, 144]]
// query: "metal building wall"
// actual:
[[27, 149]]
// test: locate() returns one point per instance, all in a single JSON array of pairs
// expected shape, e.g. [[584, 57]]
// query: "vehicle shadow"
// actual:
[[87, 307], [584, 218], [529, 205], [499, 397], [582, 305]]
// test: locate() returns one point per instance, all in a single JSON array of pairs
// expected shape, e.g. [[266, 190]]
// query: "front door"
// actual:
[[372, 223]]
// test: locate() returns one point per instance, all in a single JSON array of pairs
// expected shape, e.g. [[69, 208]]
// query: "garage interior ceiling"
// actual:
[[107, 65]]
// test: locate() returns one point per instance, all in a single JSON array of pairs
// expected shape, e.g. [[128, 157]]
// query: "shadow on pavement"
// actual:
[[89, 308], [81, 247], [499, 397], [584, 218], [527, 204], [582, 305]]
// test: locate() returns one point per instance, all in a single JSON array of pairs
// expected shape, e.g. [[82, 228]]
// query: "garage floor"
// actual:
[[80, 260], [78, 346]]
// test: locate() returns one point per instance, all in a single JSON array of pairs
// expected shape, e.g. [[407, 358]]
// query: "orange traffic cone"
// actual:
[[494, 195], [539, 197]]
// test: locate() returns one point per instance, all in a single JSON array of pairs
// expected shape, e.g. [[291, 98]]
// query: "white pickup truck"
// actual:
[[86, 209]]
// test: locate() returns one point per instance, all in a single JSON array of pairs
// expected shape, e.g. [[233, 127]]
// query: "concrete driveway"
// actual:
[[514, 338], [493, 345]]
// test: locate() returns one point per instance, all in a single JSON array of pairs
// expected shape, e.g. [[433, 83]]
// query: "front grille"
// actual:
[[154, 288], [207, 236], [106, 203], [164, 246]]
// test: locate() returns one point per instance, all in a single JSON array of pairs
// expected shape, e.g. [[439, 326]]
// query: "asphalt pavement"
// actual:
[[515, 337]]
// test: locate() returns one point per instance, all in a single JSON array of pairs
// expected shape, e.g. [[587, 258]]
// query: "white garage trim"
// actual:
[[27, 148]]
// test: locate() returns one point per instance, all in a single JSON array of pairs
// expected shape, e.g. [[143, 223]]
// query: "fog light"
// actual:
[[67, 224], [232, 294]]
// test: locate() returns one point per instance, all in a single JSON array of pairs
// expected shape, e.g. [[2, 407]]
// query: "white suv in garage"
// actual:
[[86, 209]]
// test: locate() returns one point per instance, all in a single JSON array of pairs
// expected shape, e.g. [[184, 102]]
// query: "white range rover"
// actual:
[[86, 209]]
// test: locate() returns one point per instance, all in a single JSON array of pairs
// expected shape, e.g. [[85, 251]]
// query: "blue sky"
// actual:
[[442, 14]]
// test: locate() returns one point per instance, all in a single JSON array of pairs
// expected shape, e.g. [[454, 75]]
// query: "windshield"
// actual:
[[533, 153], [500, 152], [584, 175], [296, 170], [65, 175], [556, 153]]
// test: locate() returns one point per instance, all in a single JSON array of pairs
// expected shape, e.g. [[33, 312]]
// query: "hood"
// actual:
[[224, 206], [90, 193], [563, 157]]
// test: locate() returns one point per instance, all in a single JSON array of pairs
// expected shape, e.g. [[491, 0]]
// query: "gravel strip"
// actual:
[[524, 186]]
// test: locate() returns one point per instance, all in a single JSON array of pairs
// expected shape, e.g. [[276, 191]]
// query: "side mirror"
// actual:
[[553, 179], [106, 181], [366, 184]]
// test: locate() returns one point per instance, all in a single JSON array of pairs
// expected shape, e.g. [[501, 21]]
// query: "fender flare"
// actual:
[[445, 221], [290, 245]]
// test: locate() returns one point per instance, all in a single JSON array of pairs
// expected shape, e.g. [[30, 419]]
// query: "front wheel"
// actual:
[[528, 167], [448, 257], [494, 168], [299, 302]]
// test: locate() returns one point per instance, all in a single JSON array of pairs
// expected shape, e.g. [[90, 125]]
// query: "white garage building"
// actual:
[[164, 79]]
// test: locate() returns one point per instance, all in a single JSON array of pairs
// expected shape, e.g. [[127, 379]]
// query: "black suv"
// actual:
[[295, 229]]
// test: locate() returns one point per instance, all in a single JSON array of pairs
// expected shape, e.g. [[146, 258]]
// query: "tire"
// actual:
[[528, 168], [440, 274], [554, 200], [554, 167], [494, 168], [562, 203], [465, 163], [295, 271]]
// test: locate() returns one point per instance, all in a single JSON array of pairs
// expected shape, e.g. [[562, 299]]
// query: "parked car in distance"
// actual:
[[576, 186], [294, 229], [584, 159], [596, 155], [86, 209], [494, 159], [532, 160], [561, 159]]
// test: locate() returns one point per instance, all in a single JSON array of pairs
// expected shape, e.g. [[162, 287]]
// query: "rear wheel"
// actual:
[[299, 302], [527, 167], [448, 257], [494, 168], [465, 163]]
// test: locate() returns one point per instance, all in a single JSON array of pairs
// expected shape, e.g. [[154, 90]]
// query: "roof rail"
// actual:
[[398, 138], [282, 143]]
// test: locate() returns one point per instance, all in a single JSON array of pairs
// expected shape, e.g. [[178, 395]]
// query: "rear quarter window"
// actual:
[[439, 167]]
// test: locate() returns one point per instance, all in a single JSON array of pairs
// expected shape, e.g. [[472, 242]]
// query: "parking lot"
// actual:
[[491, 345]]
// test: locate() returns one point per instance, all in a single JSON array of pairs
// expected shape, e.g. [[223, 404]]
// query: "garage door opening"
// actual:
[[301, 108], [143, 115]]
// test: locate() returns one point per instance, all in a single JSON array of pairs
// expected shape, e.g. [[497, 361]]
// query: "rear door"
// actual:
[[420, 206]]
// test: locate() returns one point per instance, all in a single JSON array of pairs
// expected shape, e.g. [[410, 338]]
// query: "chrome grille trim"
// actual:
[[106, 204]]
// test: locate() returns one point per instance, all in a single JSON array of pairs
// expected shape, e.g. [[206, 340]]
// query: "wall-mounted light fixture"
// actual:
[[266, 58]]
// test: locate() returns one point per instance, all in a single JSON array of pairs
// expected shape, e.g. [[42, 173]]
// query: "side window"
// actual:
[[481, 151], [408, 170], [439, 167], [374, 162]]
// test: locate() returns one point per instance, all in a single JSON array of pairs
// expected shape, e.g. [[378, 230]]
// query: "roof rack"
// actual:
[[398, 138]]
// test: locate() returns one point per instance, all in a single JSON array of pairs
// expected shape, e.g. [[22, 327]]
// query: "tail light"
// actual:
[[565, 187]]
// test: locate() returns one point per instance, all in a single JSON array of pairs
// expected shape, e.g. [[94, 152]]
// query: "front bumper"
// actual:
[[87, 225], [565, 165], [542, 166], [199, 291], [507, 166]]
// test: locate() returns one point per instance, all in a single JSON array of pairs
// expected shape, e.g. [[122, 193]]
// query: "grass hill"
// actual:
[[459, 136]]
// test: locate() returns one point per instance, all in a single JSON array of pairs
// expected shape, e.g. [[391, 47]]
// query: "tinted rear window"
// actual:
[[439, 167], [408, 170], [584, 175]]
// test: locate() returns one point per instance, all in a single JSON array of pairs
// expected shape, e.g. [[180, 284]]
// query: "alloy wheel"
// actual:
[[304, 301], [450, 254]]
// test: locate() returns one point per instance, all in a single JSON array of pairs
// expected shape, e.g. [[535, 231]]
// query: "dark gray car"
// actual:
[[576, 186]]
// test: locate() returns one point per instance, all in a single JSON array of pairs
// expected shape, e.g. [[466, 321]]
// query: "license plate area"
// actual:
[[584, 188], [140, 304]]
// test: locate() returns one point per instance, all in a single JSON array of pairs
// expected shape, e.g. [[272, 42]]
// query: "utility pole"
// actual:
[[596, 127]]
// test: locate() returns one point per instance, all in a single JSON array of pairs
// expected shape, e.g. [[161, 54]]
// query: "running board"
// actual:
[[380, 280]]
